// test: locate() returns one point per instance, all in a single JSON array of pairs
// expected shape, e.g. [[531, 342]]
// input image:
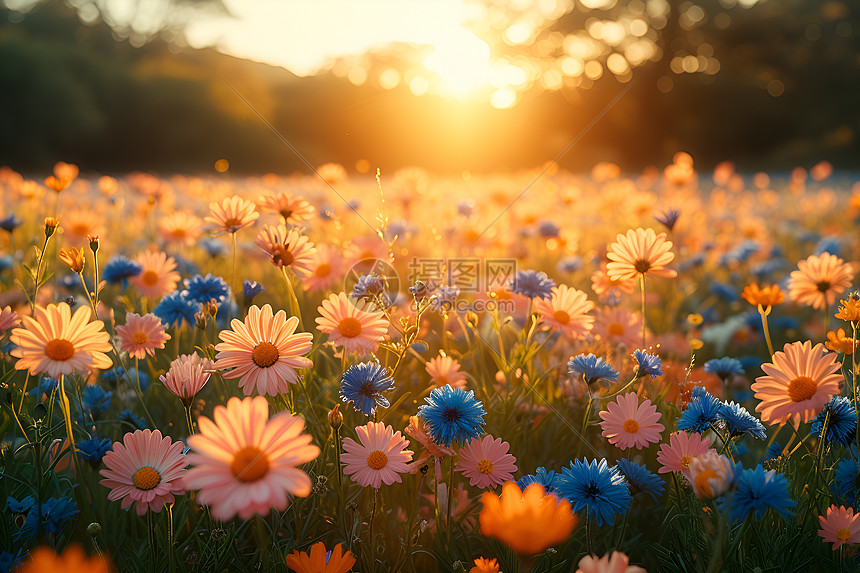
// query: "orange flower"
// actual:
[[639, 252], [158, 277], [838, 342], [528, 522], [485, 566], [294, 210], [74, 258], [232, 214], [73, 560], [57, 184], [180, 227], [764, 297], [567, 311], [818, 280], [849, 309], [316, 562]]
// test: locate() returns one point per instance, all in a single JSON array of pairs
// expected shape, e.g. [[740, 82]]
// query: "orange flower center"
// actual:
[[265, 354], [179, 233], [642, 266], [631, 426], [59, 349], [286, 214], [283, 255], [561, 317], [823, 286], [349, 327], [250, 464], [843, 534], [232, 222], [485, 467], [146, 479], [685, 461], [149, 278], [323, 270], [139, 338], [615, 329], [441, 381], [702, 483], [802, 388], [377, 460]]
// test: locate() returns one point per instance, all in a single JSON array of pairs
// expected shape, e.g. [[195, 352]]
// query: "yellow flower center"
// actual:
[[802, 388], [561, 317], [349, 327], [250, 464], [485, 467], [232, 222], [642, 266], [149, 278], [323, 270], [59, 349], [702, 483], [377, 460], [685, 461], [615, 329], [265, 354], [179, 233], [139, 338], [843, 534], [146, 479], [631, 426]]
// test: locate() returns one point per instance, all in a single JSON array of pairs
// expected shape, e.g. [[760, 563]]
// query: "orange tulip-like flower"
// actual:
[[765, 296], [849, 309], [838, 342], [316, 561], [73, 560], [639, 252], [798, 384], [818, 280], [527, 521], [232, 214], [483, 565], [74, 259]]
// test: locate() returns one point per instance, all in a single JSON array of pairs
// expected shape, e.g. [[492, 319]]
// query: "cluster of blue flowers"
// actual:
[[363, 385]]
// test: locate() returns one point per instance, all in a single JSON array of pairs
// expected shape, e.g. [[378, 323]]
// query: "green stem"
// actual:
[[587, 532], [642, 289], [450, 502], [764, 327], [38, 273], [67, 414]]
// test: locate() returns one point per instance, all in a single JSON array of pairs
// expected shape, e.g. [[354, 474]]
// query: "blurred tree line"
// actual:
[[785, 95]]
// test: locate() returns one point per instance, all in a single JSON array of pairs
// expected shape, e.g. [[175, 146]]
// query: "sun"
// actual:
[[461, 61]]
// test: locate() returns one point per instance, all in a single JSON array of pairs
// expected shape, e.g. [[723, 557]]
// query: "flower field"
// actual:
[[535, 371]]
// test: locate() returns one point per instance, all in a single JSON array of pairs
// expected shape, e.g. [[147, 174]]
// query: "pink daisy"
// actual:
[[232, 214], [287, 248], [445, 370], [186, 376], [326, 267], [158, 277], [619, 326], [679, 452], [349, 325], [294, 210], [567, 311], [8, 319], [840, 526], [626, 423], [617, 562], [145, 469], [245, 463], [264, 352], [486, 462], [141, 335], [380, 457]]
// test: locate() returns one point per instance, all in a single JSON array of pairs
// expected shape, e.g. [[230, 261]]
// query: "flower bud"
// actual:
[[200, 318], [335, 418], [709, 474], [51, 224], [94, 529], [94, 243], [74, 259]]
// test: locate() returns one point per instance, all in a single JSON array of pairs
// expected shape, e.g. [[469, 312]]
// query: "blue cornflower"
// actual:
[[57, 512], [186, 267], [6, 262], [251, 289], [368, 286], [203, 289], [548, 229], [94, 400], [546, 478], [129, 417], [24, 513], [773, 452], [570, 264], [44, 389], [724, 367], [363, 385], [10, 223], [640, 479], [739, 421], [668, 218], [764, 269], [740, 253], [94, 449], [702, 411], [176, 307], [846, 477], [592, 369], [445, 297], [757, 490], [452, 414], [532, 284], [119, 269], [842, 424], [724, 291], [8, 561], [596, 486], [829, 244], [649, 364], [213, 247], [115, 376]]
